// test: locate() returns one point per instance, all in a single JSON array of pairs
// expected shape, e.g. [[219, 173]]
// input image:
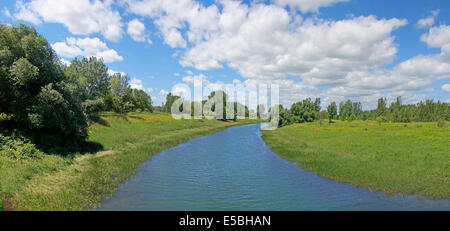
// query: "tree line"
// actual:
[[212, 97], [309, 111], [50, 103]]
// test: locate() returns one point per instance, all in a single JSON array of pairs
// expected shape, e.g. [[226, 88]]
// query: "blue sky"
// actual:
[[333, 49]]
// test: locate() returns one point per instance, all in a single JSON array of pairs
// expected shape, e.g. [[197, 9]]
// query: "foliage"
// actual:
[[300, 112], [170, 99], [332, 111], [35, 91], [19, 148]]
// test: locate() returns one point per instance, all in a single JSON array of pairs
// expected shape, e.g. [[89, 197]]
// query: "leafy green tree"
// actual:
[[91, 83], [119, 99], [142, 100], [170, 99], [35, 92], [381, 107], [332, 111]]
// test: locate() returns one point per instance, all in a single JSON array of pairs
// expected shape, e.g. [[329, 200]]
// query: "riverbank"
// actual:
[[79, 182], [395, 158]]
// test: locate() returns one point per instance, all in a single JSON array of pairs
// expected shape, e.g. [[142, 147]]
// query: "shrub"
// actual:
[[19, 148]]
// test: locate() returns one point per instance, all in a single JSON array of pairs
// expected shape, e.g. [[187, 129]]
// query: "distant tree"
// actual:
[[170, 99], [141, 100], [381, 107], [332, 111]]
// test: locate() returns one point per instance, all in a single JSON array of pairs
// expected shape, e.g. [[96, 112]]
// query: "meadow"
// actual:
[[80, 181], [396, 158]]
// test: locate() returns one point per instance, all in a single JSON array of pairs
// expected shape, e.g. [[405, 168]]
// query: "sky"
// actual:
[[333, 49]]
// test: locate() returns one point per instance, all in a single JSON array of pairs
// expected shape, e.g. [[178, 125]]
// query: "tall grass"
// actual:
[[392, 157], [81, 181]]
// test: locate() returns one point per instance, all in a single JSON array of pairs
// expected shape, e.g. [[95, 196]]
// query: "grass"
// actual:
[[392, 157], [79, 182]]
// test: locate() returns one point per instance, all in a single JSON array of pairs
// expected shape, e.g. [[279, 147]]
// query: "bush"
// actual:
[[19, 148]]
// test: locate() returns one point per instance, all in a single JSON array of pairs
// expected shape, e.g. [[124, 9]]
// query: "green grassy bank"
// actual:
[[80, 181], [401, 158]]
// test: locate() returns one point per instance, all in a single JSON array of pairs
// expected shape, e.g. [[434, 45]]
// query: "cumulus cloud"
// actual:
[[307, 5], [446, 88], [428, 21], [87, 47], [81, 17], [136, 84], [170, 16], [265, 46], [136, 29]]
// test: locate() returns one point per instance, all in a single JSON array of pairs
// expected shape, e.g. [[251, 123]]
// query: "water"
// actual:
[[235, 170]]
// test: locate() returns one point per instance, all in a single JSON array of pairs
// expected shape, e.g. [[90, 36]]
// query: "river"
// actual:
[[235, 170]]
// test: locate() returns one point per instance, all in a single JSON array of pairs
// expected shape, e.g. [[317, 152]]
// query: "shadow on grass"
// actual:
[[91, 147], [99, 120]]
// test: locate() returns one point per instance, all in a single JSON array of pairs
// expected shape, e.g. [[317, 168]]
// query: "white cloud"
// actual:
[[437, 37], [113, 72], [136, 29], [148, 90], [425, 22], [169, 16], [25, 13], [6, 13], [136, 84], [265, 46], [87, 47], [81, 17], [446, 88], [65, 62], [307, 5], [163, 92], [428, 21]]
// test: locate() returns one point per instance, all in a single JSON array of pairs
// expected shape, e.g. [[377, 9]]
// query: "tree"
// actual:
[[332, 111], [119, 98], [35, 92], [170, 99], [91, 83], [142, 100], [381, 107]]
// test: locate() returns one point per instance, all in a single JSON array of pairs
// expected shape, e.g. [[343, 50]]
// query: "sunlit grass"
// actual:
[[411, 158]]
